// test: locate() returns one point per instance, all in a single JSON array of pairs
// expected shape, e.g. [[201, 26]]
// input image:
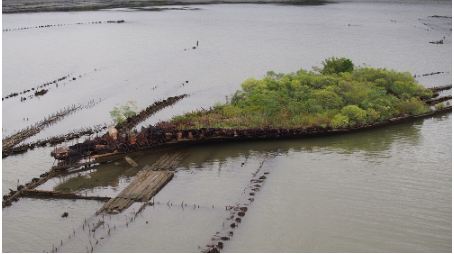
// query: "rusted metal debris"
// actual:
[[120, 142], [9, 144], [167, 135]]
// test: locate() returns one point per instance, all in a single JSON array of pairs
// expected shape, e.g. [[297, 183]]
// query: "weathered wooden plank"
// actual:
[[147, 183], [59, 194], [435, 101], [440, 88]]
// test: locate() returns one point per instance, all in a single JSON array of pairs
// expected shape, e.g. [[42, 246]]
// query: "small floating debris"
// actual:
[[437, 42], [40, 93], [437, 16], [131, 162]]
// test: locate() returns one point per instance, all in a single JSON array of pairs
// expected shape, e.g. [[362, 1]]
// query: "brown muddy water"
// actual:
[[383, 190]]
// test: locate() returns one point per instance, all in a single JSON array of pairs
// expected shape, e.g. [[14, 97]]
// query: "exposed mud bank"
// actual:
[[15, 6]]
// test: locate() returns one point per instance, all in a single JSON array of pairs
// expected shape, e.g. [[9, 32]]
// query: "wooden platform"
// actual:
[[147, 184]]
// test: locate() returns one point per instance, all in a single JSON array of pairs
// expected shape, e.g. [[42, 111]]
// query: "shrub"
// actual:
[[120, 114], [339, 120], [339, 97], [412, 106], [355, 114], [337, 65], [440, 106]]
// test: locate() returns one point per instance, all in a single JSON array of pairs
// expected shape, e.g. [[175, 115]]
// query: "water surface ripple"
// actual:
[[383, 190]]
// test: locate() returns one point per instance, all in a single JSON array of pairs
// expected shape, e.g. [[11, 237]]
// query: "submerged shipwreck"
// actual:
[[163, 136], [296, 105], [281, 106], [264, 110]]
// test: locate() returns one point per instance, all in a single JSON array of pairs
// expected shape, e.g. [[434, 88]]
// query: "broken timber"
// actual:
[[59, 194], [435, 90], [435, 101], [440, 88], [146, 185]]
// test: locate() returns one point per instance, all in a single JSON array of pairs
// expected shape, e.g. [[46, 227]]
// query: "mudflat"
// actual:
[[13, 6]]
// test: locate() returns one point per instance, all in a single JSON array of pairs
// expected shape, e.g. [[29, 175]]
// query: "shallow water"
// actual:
[[385, 190]]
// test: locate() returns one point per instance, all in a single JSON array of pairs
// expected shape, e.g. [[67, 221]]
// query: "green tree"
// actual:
[[337, 65], [121, 113]]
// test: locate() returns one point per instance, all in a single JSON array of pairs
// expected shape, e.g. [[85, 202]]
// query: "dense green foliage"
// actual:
[[355, 97], [337, 65]]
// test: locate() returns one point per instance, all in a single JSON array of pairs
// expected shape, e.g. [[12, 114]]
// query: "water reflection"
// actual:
[[88, 180], [373, 144]]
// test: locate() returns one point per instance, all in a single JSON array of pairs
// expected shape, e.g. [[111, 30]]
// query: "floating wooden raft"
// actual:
[[147, 184]]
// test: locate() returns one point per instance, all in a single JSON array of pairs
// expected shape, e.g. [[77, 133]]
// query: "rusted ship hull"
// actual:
[[162, 138]]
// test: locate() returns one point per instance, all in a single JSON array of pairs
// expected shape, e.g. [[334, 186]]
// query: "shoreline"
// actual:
[[27, 6]]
